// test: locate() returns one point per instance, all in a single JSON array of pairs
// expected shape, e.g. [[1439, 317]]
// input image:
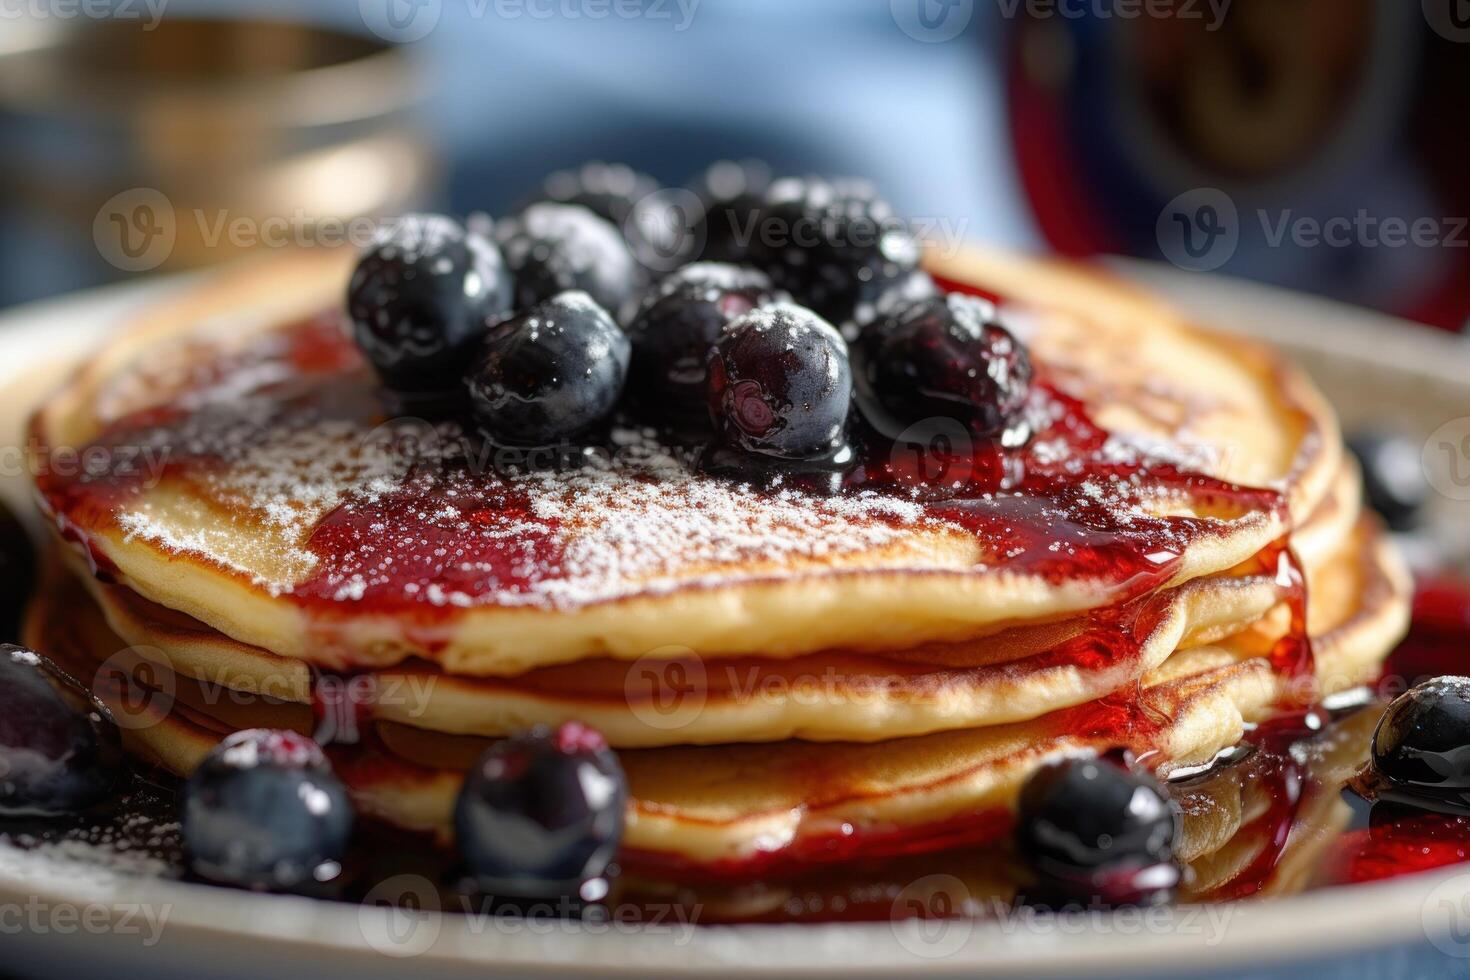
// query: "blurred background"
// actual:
[[1316, 144]]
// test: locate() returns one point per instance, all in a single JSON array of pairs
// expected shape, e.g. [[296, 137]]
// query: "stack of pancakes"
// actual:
[[792, 680]]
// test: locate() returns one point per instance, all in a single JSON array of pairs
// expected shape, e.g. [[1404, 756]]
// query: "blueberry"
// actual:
[[553, 248], [608, 190], [612, 191], [731, 193], [834, 245], [60, 751], [1422, 743], [1393, 477], [677, 325], [780, 384], [549, 373], [264, 810], [420, 299], [891, 299], [541, 813], [1092, 829], [942, 358]]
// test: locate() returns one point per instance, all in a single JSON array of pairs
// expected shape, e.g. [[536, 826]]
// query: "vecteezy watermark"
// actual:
[[1201, 230], [139, 684], [935, 917], [932, 21], [1450, 19], [667, 688], [1446, 459], [136, 230], [150, 12], [1213, 12], [1446, 917], [142, 465], [407, 21], [403, 917], [139, 229], [37, 917], [400, 916]]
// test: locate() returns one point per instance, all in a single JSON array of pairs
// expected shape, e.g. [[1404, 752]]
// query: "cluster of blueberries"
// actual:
[[800, 300]]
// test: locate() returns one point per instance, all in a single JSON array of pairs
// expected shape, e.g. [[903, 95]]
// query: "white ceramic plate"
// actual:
[[62, 915]]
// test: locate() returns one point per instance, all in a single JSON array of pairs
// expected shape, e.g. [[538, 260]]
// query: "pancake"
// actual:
[[281, 516], [828, 696], [735, 810]]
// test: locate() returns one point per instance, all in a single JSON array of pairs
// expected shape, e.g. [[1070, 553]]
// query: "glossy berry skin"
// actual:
[[609, 190], [613, 191], [780, 384], [264, 810], [553, 248], [541, 813], [1393, 477], [942, 358], [60, 751], [420, 299], [731, 193], [834, 245], [1422, 743], [678, 323], [893, 298], [549, 373], [1091, 829]]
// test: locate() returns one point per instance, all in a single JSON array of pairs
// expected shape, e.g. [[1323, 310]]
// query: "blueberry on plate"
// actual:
[[1393, 477], [420, 298], [780, 384], [1092, 830], [60, 751], [553, 248], [731, 193], [833, 244], [264, 810], [549, 373], [678, 323], [1422, 743], [541, 813], [943, 358]]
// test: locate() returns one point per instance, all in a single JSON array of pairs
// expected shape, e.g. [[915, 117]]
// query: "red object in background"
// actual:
[[1310, 108]]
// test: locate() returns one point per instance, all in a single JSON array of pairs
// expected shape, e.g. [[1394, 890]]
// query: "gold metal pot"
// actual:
[[223, 135]]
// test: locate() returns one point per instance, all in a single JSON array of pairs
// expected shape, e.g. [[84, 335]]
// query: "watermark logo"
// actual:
[[928, 917], [932, 21], [1446, 917], [401, 21], [150, 12], [400, 916], [1450, 19], [38, 917], [139, 686], [1214, 11], [1446, 459], [666, 227], [1199, 230], [666, 689], [136, 230]]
